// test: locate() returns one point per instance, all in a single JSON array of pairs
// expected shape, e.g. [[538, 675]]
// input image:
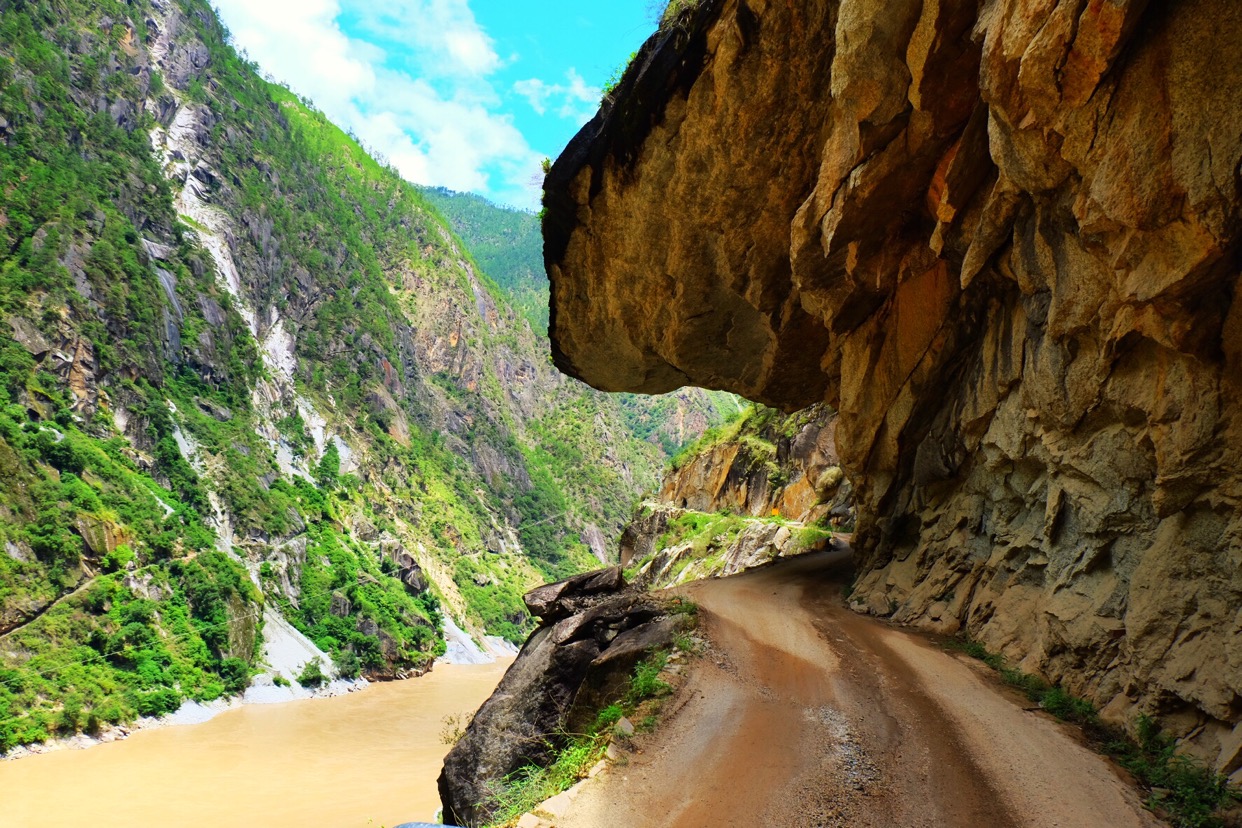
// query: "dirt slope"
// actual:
[[805, 714]]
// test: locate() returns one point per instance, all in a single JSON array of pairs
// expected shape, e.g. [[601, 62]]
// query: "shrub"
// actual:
[[236, 675], [646, 683], [312, 674], [1189, 792], [158, 702]]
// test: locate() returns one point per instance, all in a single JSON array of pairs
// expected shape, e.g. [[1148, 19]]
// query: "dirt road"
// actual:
[[805, 714]]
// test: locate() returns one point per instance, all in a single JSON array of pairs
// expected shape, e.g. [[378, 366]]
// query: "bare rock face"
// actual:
[[594, 632], [785, 466], [1003, 240], [552, 602]]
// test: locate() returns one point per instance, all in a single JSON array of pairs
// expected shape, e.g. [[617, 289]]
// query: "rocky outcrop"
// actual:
[[594, 632], [762, 487], [1002, 239], [767, 464], [725, 547]]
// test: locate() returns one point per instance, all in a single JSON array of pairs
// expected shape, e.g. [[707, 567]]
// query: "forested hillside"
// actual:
[[255, 389]]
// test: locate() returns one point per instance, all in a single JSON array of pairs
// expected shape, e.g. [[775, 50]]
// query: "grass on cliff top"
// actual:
[[710, 535], [1180, 788]]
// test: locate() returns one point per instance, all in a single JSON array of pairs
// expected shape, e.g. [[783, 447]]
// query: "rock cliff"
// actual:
[[593, 632], [759, 487], [1002, 239]]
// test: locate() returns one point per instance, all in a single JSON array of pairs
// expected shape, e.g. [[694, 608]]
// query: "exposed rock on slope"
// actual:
[[1002, 239], [762, 487], [763, 464], [251, 374]]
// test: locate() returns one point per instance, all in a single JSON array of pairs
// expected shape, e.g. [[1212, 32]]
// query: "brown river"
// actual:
[[365, 759]]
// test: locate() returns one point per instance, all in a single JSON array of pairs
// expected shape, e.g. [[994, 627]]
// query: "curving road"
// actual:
[[806, 714]]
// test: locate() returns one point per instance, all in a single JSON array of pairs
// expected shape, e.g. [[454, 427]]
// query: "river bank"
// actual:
[[362, 759], [287, 649]]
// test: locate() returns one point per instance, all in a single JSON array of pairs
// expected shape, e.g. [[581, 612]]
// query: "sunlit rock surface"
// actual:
[[1002, 239]]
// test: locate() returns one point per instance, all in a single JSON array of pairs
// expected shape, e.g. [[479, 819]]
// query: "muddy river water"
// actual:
[[365, 759]]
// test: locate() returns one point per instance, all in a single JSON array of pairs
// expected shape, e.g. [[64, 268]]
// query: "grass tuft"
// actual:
[[1183, 789], [523, 790]]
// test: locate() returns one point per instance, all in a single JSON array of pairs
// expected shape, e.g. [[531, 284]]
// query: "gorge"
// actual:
[[265, 423], [277, 423]]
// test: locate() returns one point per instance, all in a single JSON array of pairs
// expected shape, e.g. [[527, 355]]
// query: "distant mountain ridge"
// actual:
[[508, 245]]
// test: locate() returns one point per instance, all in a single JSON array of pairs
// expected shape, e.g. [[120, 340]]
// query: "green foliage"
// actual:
[[1190, 793], [332, 239], [496, 597], [312, 674], [703, 530], [572, 756], [507, 244], [105, 655], [328, 473], [646, 683], [683, 606], [526, 787], [614, 80], [675, 10], [722, 433]]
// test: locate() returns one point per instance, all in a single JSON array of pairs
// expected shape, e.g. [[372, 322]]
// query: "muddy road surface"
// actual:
[[803, 713]]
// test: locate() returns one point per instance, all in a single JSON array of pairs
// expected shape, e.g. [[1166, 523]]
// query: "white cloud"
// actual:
[[536, 93], [574, 99], [429, 108], [443, 34]]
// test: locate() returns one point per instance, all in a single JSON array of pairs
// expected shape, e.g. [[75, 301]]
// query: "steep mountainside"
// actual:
[[259, 404], [1002, 239]]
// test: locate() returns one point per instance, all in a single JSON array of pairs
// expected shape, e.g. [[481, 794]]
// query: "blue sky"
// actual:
[[466, 94]]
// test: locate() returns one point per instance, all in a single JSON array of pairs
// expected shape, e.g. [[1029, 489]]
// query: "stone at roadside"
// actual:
[[570, 667]]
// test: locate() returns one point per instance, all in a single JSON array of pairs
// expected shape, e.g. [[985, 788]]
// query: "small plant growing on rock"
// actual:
[[683, 606], [647, 683], [454, 727], [674, 10]]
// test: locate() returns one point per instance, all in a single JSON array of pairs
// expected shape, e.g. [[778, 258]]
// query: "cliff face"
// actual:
[[760, 487], [1002, 239], [764, 463]]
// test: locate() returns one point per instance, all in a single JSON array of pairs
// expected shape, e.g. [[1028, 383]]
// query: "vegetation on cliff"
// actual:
[[759, 486], [252, 369]]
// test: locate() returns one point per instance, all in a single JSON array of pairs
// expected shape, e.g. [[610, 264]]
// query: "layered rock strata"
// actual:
[[1002, 238]]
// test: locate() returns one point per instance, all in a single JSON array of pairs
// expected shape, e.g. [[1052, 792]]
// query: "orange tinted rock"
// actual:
[[1006, 249]]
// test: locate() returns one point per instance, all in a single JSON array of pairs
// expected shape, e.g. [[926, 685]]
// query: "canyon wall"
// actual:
[[1002, 239], [762, 486]]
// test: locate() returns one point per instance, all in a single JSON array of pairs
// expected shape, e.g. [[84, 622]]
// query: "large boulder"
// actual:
[[564, 598], [568, 669]]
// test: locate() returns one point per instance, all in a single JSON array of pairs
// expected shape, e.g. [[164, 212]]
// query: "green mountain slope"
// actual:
[[508, 245], [254, 389]]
